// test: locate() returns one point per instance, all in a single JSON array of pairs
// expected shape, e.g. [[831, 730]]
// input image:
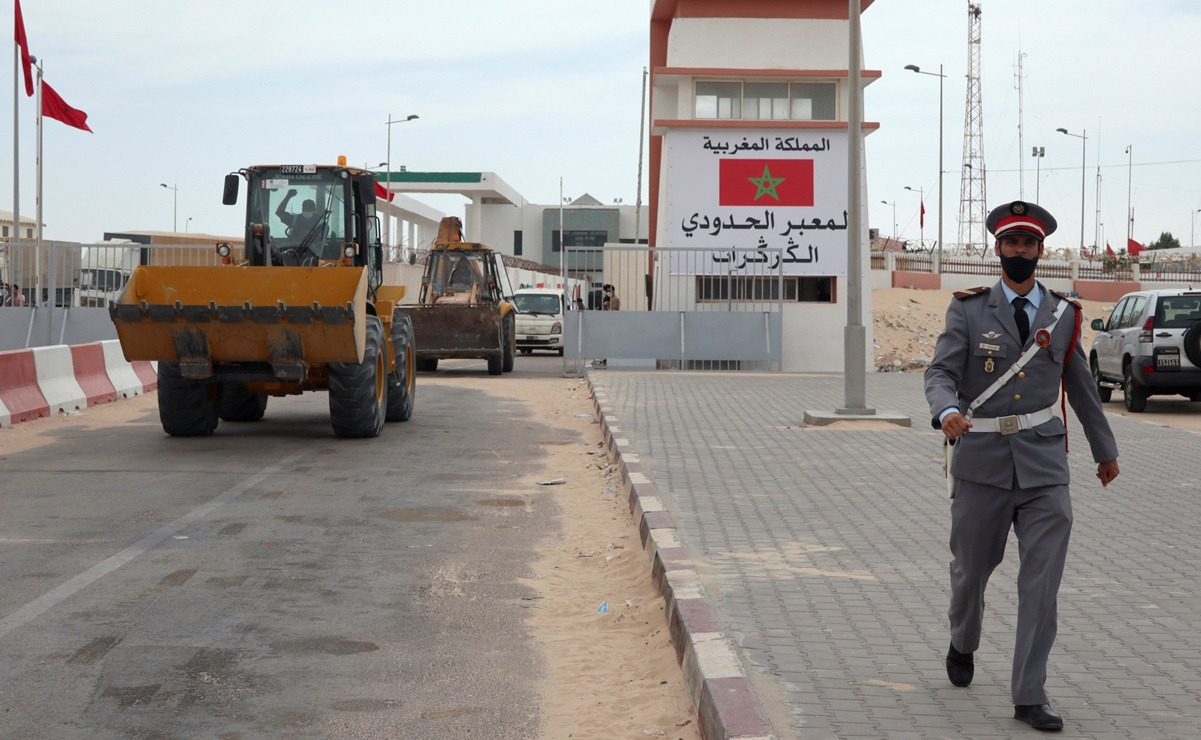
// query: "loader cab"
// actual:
[[310, 216]]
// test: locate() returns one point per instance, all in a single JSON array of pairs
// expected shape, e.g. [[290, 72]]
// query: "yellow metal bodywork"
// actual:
[[291, 317]]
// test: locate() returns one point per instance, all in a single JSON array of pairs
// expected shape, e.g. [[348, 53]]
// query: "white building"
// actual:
[[749, 144]]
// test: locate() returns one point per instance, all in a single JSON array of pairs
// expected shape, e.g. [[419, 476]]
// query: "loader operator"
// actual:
[[299, 224]]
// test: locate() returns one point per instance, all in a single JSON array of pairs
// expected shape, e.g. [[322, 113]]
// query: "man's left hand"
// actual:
[[1107, 471]]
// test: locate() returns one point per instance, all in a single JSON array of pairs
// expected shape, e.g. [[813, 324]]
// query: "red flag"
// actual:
[[765, 182], [1109, 250], [921, 220], [23, 43], [1134, 247], [55, 107], [382, 192]]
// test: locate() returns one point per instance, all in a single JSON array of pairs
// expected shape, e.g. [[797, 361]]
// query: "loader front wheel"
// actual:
[[402, 387], [358, 391], [235, 403], [186, 408], [496, 363]]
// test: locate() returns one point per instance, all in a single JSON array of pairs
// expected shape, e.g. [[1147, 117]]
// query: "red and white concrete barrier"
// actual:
[[42, 381]]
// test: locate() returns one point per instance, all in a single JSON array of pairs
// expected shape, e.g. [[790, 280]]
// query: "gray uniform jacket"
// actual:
[[980, 327]]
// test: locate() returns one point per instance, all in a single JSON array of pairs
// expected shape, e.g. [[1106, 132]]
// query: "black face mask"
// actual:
[[1019, 269]]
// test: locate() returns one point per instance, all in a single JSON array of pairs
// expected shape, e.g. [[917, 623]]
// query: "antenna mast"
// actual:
[[1021, 132], [972, 195]]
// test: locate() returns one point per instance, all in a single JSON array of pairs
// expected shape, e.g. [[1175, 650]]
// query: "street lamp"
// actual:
[[894, 216], [174, 206], [921, 218], [1038, 153], [1129, 190], [1192, 220], [185, 224], [410, 117], [1083, 136], [941, 77]]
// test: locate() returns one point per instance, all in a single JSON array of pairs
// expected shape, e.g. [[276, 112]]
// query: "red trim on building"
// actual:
[[837, 74], [820, 9], [751, 123]]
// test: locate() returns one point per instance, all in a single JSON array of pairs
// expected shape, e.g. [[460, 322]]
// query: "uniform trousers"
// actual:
[[981, 516]]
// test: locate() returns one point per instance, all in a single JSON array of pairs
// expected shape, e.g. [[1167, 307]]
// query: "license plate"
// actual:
[[1167, 360], [530, 338]]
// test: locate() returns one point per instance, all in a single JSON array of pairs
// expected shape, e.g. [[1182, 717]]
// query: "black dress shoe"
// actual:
[[1038, 716], [960, 667]]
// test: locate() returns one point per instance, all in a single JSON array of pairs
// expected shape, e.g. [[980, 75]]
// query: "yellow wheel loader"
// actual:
[[465, 307], [303, 310]]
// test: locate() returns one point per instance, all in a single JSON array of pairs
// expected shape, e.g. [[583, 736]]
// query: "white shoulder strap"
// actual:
[[1016, 367]]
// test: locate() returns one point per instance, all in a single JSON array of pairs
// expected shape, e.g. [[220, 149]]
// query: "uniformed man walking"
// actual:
[[993, 389]]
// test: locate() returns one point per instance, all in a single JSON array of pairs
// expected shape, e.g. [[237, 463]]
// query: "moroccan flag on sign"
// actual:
[[1134, 248], [53, 106], [766, 182], [1109, 250], [921, 221]]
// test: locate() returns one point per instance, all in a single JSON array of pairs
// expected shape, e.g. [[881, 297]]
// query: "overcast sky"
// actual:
[[534, 90]]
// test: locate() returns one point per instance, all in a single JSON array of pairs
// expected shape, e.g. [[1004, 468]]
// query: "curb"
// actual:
[[726, 706]]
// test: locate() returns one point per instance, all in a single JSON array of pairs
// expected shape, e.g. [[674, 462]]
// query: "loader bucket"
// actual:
[[198, 316], [458, 331]]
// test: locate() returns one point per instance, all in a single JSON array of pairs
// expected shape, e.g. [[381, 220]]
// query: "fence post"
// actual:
[[891, 261], [1135, 270], [1074, 270]]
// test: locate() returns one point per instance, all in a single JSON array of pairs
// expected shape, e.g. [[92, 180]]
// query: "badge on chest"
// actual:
[[989, 364]]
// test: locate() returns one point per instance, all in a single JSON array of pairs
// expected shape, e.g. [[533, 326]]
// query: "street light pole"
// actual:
[[1038, 153], [894, 216], [186, 223], [410, 117], [1083, 136], [174, 205], [921, 219], [940, 77], [1129, 189], [1192, 221]]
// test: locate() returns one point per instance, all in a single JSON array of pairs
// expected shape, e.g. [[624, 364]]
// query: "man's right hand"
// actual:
[[955, 424]]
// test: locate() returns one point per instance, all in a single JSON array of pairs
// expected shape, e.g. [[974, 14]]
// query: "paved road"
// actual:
[[824, 554], [271, 580]]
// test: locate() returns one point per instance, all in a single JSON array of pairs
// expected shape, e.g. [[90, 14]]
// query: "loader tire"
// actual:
[[402, 386], [186, 408], [358, 391], [235, 403], [496, 363], [427, 364], [509, 343]]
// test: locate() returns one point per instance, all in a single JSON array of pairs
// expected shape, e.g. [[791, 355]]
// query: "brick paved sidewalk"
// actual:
[[824, 556]]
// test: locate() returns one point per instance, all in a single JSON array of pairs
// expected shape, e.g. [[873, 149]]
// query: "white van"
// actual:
[[539, 319]]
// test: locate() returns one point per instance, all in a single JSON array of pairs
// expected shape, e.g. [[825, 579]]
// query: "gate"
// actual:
[[693, 309]]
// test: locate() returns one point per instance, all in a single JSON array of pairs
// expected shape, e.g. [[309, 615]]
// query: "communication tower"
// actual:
[[972, 185]]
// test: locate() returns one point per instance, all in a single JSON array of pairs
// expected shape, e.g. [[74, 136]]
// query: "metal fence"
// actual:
[[695, 309]]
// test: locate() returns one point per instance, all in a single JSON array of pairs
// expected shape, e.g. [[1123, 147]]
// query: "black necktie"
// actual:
[[1019, 316]]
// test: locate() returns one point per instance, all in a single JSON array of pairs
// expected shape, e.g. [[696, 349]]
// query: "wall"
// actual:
[[705, 42]]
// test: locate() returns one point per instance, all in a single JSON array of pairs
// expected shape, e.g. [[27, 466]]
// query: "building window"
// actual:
[[718, 100], [517, 243], [812, 101], [5, 232], [765, 101], [815, 289], [579, 239]]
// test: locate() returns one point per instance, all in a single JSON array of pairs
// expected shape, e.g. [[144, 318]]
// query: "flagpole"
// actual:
[[37, 162], [16, 232]]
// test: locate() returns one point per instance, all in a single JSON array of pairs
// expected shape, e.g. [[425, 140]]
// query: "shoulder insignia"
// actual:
[[970, 292], [1072, 301]]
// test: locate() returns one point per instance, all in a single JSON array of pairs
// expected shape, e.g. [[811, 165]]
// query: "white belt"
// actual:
[[1013, 424]]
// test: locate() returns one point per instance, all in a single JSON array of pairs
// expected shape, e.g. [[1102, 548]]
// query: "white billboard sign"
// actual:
[[775, 198]]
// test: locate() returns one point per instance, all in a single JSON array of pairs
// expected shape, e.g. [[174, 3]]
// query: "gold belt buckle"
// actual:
[[1009, 425]]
